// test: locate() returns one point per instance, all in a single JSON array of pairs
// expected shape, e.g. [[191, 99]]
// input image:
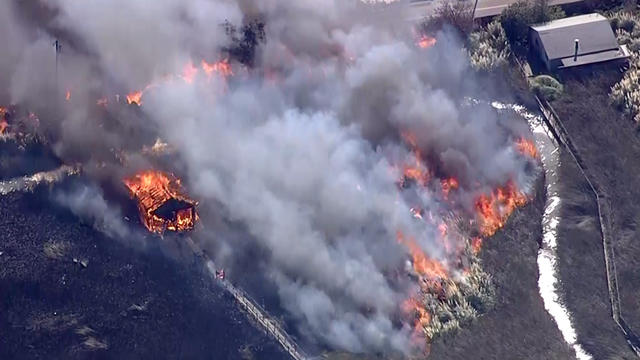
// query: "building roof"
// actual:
[[597, 42]]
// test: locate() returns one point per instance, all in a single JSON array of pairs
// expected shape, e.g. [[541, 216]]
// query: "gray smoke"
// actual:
[[88, 203], [302, 149]]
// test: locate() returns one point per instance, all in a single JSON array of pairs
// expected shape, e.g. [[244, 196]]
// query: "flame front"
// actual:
[[527, 148], [153, 189], [222, 67], [417, 171], [438, 280], [494, 209], [188, 75]]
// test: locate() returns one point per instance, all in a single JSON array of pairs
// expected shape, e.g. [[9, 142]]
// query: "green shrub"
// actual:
[[546, 87], [517, 18]]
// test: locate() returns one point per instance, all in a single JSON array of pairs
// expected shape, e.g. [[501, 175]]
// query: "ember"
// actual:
[[161, 202]]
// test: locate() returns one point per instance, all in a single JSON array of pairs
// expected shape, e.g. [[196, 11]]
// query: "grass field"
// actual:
[[608, 143]]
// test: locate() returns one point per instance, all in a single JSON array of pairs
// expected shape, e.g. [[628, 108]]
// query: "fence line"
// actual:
[[261, 317], [562, 136]]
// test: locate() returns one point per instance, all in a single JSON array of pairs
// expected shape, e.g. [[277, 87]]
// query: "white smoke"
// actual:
[[297, 148]]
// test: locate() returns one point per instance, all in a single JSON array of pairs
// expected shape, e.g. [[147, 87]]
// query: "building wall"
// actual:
[[537, 49]]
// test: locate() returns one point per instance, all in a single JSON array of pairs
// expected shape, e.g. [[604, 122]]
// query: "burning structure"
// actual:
[[161, 202]]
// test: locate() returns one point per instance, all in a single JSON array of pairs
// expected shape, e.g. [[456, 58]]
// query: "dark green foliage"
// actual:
[[245, 41], [517, 18], [458, 15]]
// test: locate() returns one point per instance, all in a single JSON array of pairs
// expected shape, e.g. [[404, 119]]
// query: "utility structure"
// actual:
[[58, 48]]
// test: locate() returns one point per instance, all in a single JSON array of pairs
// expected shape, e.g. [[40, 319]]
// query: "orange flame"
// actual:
[[426, 42], [222, 67], [161, 203], [422, 318], [417, 171], [527, 148], [3, 122], [494, 209], [189, 72], [135, 98], [448, 185], [68, 95], [476, 245], [424, 266]]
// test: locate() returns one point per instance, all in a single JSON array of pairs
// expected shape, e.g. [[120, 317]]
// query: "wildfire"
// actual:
[[417, 171], [222, 67], [448, 185], [425, 267], [476, 244], [161, 203], [189, 74], [135, 97], [426, 42], [527, 148], [3, 122], [494, 209], [421, 317], [67, 97]]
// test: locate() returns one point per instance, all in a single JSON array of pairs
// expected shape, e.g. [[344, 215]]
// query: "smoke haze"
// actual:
[[302, 148]]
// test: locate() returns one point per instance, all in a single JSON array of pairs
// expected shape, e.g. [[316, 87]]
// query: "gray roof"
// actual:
[[597, 39]]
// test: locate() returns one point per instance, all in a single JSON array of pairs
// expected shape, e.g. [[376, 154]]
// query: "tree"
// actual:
[[458, 15], [517, 18], [244, 41]]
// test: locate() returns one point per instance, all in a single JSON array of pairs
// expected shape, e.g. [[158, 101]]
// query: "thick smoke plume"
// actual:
[[302, 148]]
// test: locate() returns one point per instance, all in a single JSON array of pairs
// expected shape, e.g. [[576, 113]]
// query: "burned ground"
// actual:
[[518, 327], [112, 301], [609, 145]]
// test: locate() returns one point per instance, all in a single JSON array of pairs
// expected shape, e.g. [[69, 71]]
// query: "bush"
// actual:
[[489, 48], [546, 87], [459, 15], [517, 18], [625, 95]]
